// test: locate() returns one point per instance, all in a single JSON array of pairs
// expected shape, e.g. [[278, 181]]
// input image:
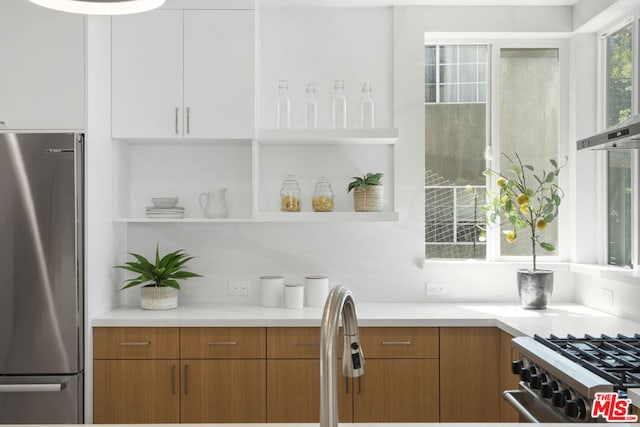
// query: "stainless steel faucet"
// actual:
[[338, 302]]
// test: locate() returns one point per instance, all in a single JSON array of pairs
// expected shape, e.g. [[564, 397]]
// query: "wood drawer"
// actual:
[[222, 343], [135, 343], [394, 343], [296, 343]]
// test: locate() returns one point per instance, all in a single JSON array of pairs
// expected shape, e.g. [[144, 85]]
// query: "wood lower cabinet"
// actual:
[[293, 377], [223, 391], [508, 381], [469, 380], [136, 375], [293, 392], [136, 391], [401, 377], [393, 390]]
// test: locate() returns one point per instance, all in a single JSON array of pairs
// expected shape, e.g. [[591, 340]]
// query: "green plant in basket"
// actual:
[[527, 199], [365, 181], [165, 271]]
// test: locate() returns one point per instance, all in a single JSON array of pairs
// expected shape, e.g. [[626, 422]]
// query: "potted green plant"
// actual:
[[158, 280], [527, 200], [368, 194]]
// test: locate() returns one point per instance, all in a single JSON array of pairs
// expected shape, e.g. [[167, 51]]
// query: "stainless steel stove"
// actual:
[[559, 377]]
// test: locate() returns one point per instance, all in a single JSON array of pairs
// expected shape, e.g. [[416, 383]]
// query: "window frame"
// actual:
[[492, 148], [601, 110]]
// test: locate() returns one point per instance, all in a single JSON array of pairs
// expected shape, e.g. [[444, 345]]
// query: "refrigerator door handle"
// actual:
[[32, 388]]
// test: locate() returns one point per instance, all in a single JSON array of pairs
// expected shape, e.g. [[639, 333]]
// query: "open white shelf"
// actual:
[[326, 216], [327, 136], [278, 217]]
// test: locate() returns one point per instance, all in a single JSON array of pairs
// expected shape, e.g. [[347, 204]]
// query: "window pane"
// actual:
[[529, 122], [454, 146], [619, 75], [619, 201]]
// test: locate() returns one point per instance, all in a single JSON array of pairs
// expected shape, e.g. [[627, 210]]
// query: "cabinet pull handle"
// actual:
[[307, 342], [176, 120], [346, 381], [359, 385], [396, 342], [135, 343], [188, 120], [222, 343], [173, 379], [186, 371]]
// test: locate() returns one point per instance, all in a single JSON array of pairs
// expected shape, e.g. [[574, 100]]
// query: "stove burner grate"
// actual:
[[616, 359]]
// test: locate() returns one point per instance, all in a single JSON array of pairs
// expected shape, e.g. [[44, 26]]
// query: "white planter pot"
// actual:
[[369, 200], [158, 297]]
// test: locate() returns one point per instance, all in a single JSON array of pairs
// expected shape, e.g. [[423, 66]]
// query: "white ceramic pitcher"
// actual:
[[214, 203]]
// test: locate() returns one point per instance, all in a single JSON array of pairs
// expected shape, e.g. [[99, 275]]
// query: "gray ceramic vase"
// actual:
[[535, 288]]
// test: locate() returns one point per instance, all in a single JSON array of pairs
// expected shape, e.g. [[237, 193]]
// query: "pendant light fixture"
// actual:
[[101, 7]]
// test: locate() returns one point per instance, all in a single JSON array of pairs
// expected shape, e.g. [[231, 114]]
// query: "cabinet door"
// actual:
[[136, 391], [42, 74], [469, 377], [223, 391], [393, 390], [293, 392], [147, 75], [219, 73], [508, 381]]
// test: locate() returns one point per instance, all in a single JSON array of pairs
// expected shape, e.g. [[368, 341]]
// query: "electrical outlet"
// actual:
[[436, 289], [238, 288]]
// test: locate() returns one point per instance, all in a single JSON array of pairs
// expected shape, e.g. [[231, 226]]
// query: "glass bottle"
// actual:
[[290, 194], [339, 106], [367, 112], [311, 108], [283, 105], [322, 198]]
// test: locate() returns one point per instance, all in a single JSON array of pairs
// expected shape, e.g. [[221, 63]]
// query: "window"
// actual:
[[619, 106], [457, 125]]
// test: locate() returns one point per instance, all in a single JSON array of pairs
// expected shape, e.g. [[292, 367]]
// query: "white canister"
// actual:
[[293, 295], [271, 291], [316, 290]]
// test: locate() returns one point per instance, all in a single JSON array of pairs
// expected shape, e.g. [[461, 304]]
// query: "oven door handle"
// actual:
[[508, 395]]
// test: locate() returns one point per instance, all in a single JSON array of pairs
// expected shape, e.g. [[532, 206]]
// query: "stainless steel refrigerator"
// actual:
[[41, 278]]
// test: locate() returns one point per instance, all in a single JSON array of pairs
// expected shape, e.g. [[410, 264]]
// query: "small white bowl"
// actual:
[[164, 202]]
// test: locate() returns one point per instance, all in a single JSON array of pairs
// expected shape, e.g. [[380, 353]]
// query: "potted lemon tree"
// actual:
[[159, 280], [527, 199]]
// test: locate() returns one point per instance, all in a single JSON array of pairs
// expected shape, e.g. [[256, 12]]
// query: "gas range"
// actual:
[[559, 377]]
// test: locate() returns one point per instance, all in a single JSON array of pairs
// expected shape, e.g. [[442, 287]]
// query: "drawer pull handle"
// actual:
[[222, 343], [186, 377], [135, 343], [173, 379], [307, 342], [396, 342]]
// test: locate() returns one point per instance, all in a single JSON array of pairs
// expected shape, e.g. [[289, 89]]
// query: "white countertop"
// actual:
[[558, 319]]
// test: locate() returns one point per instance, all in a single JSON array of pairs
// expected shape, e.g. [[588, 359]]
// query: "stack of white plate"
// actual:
[[164, 208]]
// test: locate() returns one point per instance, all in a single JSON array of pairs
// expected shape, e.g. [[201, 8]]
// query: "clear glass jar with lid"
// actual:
[[290, 194], [322, 198]]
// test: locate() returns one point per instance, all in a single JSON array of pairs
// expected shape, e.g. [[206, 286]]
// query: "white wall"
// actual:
[[104, 241]]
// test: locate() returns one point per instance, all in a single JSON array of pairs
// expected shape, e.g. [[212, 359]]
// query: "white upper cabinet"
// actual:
[[183, 74], [219, 73], [42, 68], [147, 75]]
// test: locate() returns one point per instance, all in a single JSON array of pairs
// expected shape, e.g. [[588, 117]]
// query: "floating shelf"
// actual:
[[280, 217], [327, 136], [326, 216]]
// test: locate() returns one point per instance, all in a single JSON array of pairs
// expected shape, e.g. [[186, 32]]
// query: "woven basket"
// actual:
[[369, 200], [158, 297]]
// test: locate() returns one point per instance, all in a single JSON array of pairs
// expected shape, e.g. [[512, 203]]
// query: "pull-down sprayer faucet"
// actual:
[[338, 302]]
